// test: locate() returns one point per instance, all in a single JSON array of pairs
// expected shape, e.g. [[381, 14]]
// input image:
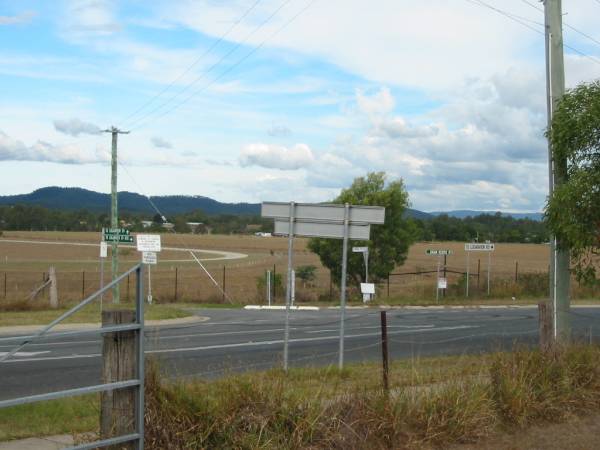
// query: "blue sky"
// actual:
[[251, 100]]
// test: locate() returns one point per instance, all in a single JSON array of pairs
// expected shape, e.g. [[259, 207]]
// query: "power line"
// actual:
[[229, 69], [213, 66], [591, 38], [194, 63], [521, 20]]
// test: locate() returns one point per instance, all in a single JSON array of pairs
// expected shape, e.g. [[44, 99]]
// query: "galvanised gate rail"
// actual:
[[138, 382]]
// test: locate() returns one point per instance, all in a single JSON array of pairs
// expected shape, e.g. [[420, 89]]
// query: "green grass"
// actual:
[[89, 314], [65, 416]]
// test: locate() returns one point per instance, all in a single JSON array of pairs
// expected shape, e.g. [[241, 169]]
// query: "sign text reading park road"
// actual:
[[476, 247], [439, 252]]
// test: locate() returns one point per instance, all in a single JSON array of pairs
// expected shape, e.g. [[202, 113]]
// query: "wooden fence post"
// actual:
[[176, 277], [117, 408], [545, 326], [478, 273], [4, 284], [127, 287], [274, 284], [388, 286], [53, 288], [516, 271], [384, 351], [223, 293], [83, 284]]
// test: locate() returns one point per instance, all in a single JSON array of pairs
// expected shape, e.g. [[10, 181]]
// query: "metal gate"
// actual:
[[138, 382]]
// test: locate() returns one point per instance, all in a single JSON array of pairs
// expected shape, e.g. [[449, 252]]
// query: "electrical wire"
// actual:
[[225, 72], [213, 66], [194, 63]]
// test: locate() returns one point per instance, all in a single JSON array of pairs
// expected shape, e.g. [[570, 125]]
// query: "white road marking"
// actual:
[[25, 354], [224, 255], [249, 344]]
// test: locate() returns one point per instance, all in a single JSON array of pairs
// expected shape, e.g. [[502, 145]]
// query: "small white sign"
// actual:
[[442, 283], [148, 242], [149, 258], [476, 247], [103, 249], [367, 288], [360, 249]]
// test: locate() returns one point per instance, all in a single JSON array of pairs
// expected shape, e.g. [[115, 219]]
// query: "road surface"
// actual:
[[237, 340]]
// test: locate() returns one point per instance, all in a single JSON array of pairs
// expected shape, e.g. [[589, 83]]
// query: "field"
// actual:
[[177, 277]]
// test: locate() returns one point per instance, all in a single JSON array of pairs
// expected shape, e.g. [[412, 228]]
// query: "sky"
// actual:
[[256, 100]]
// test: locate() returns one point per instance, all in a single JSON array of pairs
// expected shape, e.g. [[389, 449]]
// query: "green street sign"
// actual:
[[118, 238], [115, 231]]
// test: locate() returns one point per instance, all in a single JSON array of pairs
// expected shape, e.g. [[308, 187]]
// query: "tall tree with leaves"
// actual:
[[389, 242], [573, 211]]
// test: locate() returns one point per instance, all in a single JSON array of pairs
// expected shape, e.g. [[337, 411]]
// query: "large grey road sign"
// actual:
[[322, 229], [332, 213]]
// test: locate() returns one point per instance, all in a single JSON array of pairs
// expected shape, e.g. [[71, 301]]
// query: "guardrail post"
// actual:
[[119, 361], [545, 321], [384, 351]]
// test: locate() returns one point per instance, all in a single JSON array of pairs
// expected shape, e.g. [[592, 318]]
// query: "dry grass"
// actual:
[[79, 273]]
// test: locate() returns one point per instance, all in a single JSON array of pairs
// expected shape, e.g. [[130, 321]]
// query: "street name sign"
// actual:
[[149, 258], [477, 247], [148, 242], [360, 249], [116, 235], [438, 252]]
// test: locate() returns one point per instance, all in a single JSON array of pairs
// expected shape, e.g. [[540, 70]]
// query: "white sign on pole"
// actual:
[[322, 229], [149, 258], [367, 288], [103, 249], [360, 249], [324, 212], [476, 247], [148, 242], [442, 283]]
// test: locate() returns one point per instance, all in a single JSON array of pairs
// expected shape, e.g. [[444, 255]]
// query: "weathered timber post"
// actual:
[[176, 279], [119, 357], [384, 351], [545, 326], [53, 288]]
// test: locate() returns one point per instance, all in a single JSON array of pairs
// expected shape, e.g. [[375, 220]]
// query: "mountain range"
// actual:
[[78, 198]]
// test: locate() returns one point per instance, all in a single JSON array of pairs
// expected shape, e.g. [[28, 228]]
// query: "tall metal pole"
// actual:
[[555, 88], [288, 292], [343, 283], [114, 214]]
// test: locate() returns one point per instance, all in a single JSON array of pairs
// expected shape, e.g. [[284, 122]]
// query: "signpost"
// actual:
[[439, 283], [115, 236], [149, 245], [103, 255], [326, 221], [477, 247], [365, 252], [120, 235]]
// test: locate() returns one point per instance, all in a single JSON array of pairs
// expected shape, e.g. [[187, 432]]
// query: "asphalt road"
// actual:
[[237, 340]]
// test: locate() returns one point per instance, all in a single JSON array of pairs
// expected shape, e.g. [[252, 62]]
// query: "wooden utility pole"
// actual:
[[557, 169], [117, 407], [114, 215]]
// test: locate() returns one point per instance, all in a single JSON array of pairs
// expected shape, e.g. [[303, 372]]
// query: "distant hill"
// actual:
[[462, 213], [77, 198]]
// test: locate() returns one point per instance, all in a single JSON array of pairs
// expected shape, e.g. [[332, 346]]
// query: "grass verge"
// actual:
[[12, 316]]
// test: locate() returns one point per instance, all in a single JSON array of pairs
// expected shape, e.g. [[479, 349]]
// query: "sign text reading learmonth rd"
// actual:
[[476, 247]]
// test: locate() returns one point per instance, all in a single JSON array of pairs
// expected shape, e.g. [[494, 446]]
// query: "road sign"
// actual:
[[149, 258], [438, 252], [324, 212], [122, 231], [103, 249], [367, 288], [476, 247], [360, 249], [442, 283], [118, 238], [148, 242], [322, 229]]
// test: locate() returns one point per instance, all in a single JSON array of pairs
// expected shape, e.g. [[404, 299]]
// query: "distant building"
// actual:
[[262, 234]]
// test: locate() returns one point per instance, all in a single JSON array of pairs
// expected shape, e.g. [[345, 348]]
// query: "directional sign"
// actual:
[[118, 238], [149, 258], [360, 249], [148, 242], [324, 212], [367, 288], [122, 231], [439, 252], [476, 247], [103, 250], [325, 230], [442, 283]]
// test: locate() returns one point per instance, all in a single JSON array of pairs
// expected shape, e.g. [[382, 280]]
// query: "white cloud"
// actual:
[[159, 142], [276, 157], [75, 127], [19, 19], [279, 131], [86, 18], [15, 150]]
